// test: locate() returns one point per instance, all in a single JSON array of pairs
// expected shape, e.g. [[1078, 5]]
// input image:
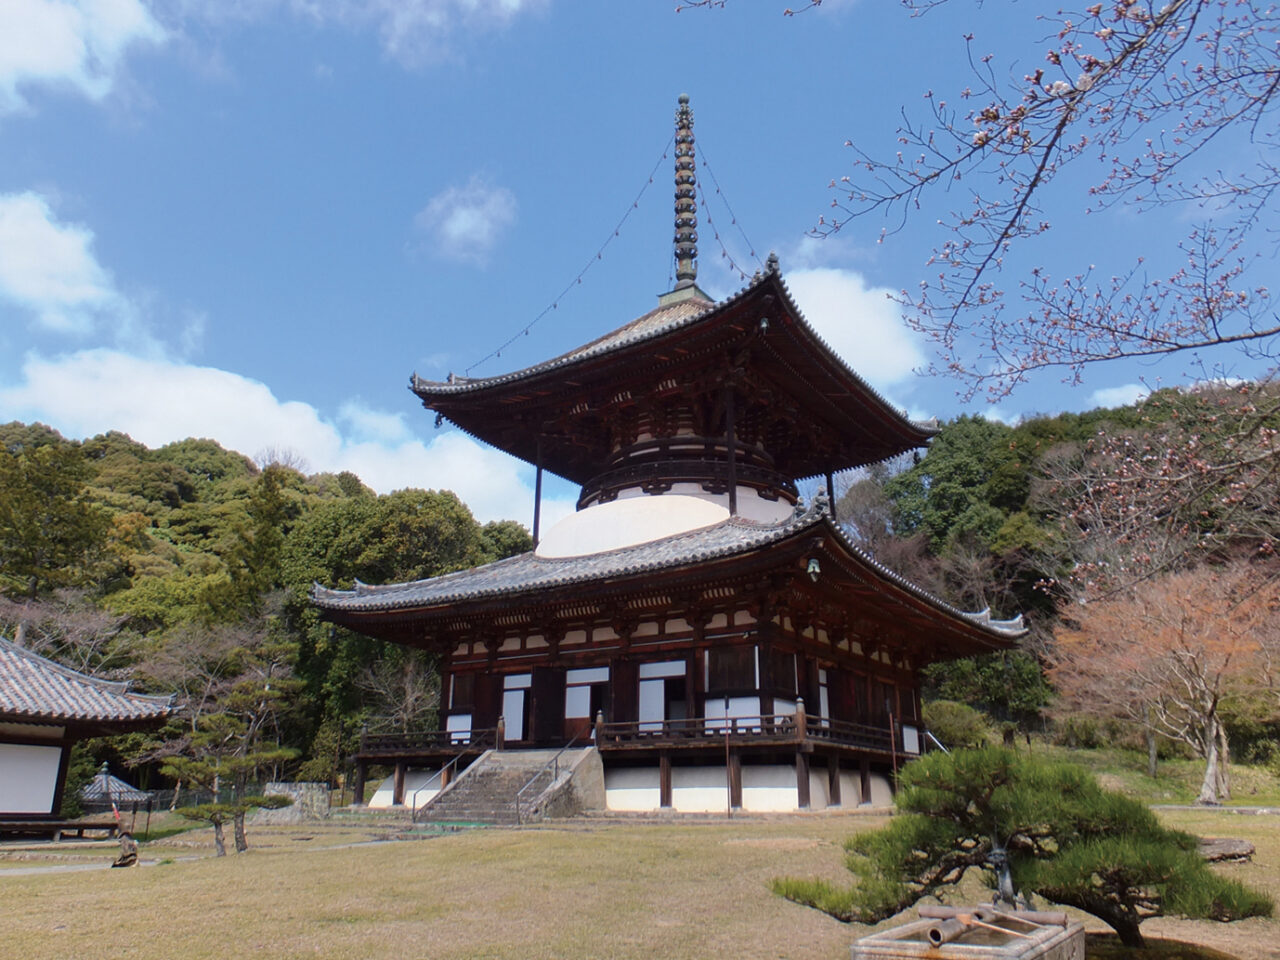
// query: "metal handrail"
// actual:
[[439, 774], [554, 763], [929, 733]]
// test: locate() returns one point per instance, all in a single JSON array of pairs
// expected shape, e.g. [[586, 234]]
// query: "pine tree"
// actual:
[[1065, 838]]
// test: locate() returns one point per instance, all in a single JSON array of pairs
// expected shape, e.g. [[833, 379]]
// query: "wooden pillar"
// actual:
[[864, 775], [599, 731], [446, 775], [731, 438], [397, 785], [664, 779], [735, 780], [500, 738], [802, 779], [357, 783], [765, 690], [833, 781], [802, 722]]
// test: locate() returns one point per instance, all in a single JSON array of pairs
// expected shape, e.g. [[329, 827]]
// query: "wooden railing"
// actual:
[[842, 732], [782, 728], [785, 728], [778, 728]]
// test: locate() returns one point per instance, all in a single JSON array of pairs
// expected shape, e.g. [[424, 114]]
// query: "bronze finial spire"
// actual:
[[686, 239]]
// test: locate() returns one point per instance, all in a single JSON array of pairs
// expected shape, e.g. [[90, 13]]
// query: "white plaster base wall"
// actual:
[[765, 789], [28, 777], [414, 781], [631, 789]]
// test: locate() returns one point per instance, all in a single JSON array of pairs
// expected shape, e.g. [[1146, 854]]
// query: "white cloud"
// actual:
[[860, 323], [1121, 396], [465, 223], [161, 401], [49, 268], [416, 30], [369, 424], [411, 31], [73, 44]]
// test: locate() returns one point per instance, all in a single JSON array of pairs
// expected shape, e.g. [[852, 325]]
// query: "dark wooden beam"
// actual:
[[735, 780], [732, 441], [802, 780]]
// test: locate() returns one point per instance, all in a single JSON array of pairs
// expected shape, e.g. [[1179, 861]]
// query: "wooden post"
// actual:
[[802, 779], [357, 783], [500, 738], [802, 723], [599, 731], [731, 438], [397, 785], [664, 779], [864, 776], [735, 780], [893, 748], [833, 781]]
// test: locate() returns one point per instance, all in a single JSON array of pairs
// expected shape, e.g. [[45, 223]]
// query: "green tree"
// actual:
[[1062, 835], [50, 534], [235, 705], [1008, 686]]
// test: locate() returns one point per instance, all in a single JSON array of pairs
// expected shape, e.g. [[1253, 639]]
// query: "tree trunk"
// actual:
[[238, 826], [1126, 929], [219, 842], [1151, 743], [1224, 760], [1209, 786]]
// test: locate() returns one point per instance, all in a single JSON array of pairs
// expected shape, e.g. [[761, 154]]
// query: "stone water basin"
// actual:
[[976, 933]]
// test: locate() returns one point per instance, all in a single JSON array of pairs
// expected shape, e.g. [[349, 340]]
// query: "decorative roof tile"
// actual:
[[35, 688]]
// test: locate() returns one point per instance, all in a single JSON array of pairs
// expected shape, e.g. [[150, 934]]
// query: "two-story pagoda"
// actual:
[[693, 619]]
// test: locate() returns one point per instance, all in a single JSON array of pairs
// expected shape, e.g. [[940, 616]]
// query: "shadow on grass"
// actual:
[[1106, 946]]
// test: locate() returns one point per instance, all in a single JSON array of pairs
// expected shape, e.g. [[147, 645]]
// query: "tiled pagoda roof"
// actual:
[[33, 688], [809, 360], [529, 574]]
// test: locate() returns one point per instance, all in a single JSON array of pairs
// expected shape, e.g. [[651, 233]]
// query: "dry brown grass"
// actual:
[[617, 890]]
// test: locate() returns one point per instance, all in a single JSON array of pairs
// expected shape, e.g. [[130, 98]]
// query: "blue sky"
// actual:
[[254, 219]]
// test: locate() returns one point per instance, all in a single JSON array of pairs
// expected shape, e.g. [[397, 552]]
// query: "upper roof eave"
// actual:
[[617, 341]]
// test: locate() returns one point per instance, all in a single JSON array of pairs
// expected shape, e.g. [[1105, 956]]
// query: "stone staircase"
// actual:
[[486, 791]]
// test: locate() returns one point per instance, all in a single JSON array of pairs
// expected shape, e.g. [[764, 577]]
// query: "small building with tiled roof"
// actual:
[[716, 640], [44, 709]]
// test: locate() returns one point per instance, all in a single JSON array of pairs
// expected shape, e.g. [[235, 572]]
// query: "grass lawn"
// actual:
[[573, 890], [1177, 781]]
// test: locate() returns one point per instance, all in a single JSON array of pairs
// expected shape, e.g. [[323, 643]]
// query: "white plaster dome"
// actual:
[[639, 518]]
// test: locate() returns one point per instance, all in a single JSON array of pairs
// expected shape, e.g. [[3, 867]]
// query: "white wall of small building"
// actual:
[[28, 777]]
